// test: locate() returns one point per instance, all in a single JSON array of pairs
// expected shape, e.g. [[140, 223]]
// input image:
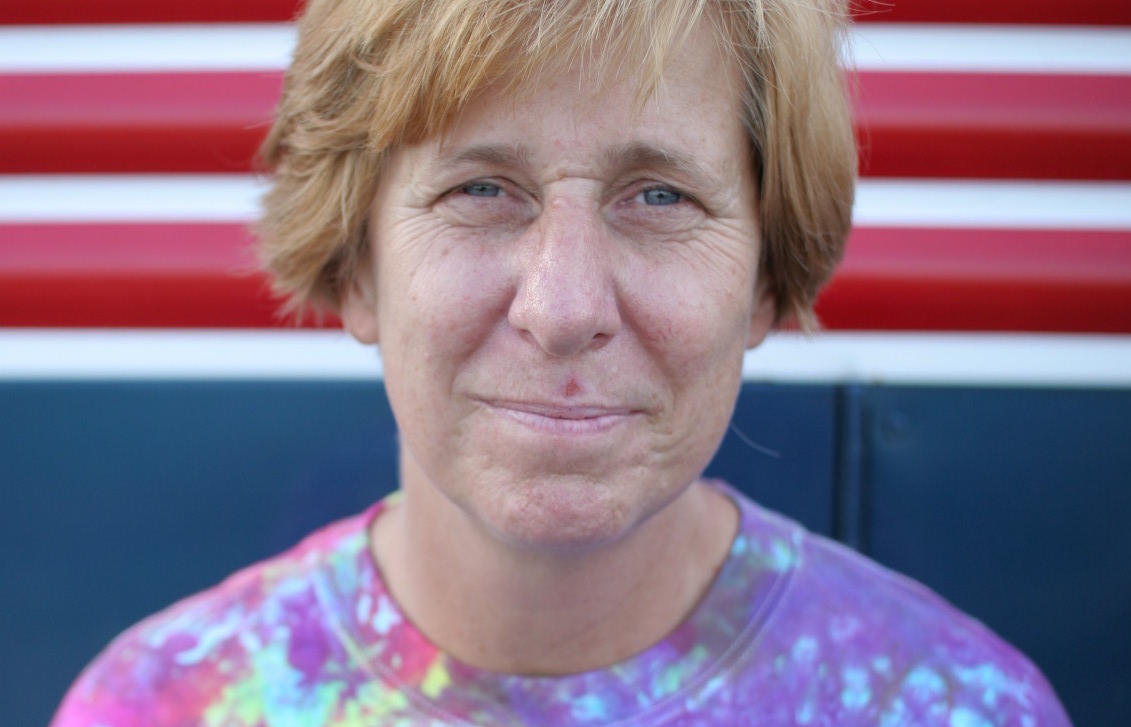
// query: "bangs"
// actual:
[[445, 55]]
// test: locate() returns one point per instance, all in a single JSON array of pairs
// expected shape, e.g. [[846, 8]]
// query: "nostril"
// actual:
[[565, 323]]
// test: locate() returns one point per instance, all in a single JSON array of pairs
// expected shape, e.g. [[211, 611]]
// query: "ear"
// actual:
[[359, 303], [762, 318]]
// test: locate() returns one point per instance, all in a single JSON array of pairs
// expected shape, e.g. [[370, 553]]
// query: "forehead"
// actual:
[[691, 112]]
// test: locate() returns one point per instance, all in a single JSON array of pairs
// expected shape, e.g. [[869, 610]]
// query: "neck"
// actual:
[[531, 611]]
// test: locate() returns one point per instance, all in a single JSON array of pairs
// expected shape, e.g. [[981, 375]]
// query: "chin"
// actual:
[[564, 514], [571, 514]]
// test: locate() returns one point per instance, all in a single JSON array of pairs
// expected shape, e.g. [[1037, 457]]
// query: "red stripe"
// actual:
[[141, 122], [982, 280], [1087, 12], [145, 11], [202, 275], [132, 275], [1017, 126], [1051, 12], [911, 124], [224, 250]]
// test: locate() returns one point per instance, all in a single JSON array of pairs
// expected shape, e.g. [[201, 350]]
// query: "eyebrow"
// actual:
[[647, 155], [650, 156], [495, 154], [637, 155]]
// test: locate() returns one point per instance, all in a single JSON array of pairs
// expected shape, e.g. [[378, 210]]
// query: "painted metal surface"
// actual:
[[910, 124], [121, 496], [1089, 12], [203, 274], [1014, 504]]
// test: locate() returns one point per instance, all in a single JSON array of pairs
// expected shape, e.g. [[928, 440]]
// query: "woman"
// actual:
[[563, 223]]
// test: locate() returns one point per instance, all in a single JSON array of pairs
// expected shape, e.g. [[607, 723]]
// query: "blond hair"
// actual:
[[369, 76]]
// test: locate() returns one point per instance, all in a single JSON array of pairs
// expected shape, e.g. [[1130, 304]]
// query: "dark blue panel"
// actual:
[[781, 450], [121, 497], [1016, 505]]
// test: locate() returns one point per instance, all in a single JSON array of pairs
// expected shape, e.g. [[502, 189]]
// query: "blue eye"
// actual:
[[482, 189], [658, 197]]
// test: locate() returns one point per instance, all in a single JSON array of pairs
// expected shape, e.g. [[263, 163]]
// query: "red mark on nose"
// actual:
[[572, 388]]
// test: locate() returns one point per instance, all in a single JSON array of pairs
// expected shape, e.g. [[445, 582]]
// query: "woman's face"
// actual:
[[562, 289]]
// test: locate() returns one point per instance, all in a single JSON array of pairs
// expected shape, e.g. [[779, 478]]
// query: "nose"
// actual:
[[566, 299]]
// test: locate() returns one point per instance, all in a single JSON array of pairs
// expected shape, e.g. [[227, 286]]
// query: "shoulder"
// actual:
[[189, 663], [926, 651], [874, 646]]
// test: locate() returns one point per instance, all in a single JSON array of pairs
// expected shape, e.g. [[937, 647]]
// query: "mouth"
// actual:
[[570, 420]]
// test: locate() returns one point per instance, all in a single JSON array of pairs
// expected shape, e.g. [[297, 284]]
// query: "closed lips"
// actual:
[[554, 417]]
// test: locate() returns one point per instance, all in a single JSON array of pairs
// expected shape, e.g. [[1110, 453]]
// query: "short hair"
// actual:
[[369, 76]]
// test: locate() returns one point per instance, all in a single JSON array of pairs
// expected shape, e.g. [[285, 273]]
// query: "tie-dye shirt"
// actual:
[[796, 630]]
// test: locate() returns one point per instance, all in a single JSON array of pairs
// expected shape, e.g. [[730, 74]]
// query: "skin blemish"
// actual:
[[572, 388]]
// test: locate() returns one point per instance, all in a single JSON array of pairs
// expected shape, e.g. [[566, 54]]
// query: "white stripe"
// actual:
[[130, 197], [184, 354], [991, 48], [145, 48], [993, 204], [879, 202], [268, 46], [897, 358], [944, 359]]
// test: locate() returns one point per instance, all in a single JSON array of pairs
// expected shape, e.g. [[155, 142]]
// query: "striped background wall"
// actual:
[[995, 160], [987, 287]]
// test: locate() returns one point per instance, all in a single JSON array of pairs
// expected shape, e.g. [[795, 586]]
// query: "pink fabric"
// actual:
[[796, 630]]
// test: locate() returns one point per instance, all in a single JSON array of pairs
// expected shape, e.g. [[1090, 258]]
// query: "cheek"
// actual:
[[441, 305], [691, 318]]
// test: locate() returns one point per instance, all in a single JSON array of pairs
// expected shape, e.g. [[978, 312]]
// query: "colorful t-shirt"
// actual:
[[796, 630]]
